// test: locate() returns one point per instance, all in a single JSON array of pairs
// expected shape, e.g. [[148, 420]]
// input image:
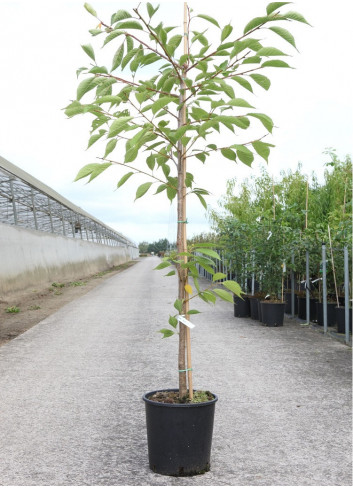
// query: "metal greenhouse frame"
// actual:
[[27, 202]]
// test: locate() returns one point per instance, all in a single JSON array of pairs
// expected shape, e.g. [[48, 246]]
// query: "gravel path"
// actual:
[[71, 387]]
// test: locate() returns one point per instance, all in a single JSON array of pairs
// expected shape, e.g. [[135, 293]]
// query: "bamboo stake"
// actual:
[[188, 340], [273, 194], [306, 204], [333, 266]]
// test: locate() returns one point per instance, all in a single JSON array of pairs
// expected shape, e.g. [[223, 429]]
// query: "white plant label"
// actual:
[[185, 321]]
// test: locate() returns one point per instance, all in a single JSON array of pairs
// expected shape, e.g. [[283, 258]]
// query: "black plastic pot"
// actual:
[[331, 314], [254, 310], [272, 313], [241, 306], [288, 299], [179, 436], [259, 309], [302, 308], [340, 319]]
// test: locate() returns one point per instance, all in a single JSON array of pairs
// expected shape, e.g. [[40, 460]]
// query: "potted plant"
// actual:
[[173, 116]]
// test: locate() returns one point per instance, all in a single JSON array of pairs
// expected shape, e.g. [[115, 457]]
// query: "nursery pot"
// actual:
[[254, 310], [340, 319], [272, 313], [331, 314], [302, 308], [259, 309], [179, 436], [241, 306], [288, 299]]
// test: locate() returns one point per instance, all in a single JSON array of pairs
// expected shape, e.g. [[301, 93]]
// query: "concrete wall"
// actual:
[[31, 259]]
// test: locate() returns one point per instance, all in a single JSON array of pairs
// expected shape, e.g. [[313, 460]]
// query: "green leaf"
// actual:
[[120, 15], [162, 265], [208, 296], [118, 57], [88, 49], [129, 57], [269, 51], [252, 60], [74, 108], [208, 252], [129, 43], [160, 103], [173, 44], [142, 189], [124, 179], [224, 295], [95, 138], [262, 149], [173, 321], [233, 287], [244, 83], [110, 147], [193, 311], [228, 153], [178, 305], [218, 276], [90, 9], [85, 86], [166, 333], [93, 169], [130, 24], [275, 63], [244, 154], [261, 80], [202, 200], [295, 16], [265, 119], [271, 7], [118, 125], [210, 19], [254, 23], [169, 274], [286, 35], [112, 36], [150, 9], [240, 102], [226, 32]]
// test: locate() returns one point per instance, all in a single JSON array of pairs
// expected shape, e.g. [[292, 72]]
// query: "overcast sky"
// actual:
[[40, 51]]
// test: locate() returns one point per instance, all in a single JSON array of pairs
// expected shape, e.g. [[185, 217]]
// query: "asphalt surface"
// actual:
[[71, 387]]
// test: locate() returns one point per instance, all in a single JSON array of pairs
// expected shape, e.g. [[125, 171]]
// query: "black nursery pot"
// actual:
[[179, 436], [288, 298], [272, 313], [302, 308], [254, 310], [340, 319], [241, 306], [331, 315]]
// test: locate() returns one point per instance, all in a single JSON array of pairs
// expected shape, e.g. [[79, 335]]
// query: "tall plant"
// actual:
[[172, 115]]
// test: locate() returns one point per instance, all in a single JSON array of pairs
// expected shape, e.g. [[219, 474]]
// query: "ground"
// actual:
[[36, 305]]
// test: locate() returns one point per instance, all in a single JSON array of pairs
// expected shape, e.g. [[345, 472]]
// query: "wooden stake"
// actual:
[[188, 340], [306, 205], [333, 266]]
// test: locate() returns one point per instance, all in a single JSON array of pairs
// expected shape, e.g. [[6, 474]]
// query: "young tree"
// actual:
[[173, 115]]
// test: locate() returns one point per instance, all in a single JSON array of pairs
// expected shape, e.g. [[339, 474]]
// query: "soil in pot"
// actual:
[[241, 306], [331, 314], [179, 433], [272, 313], [340, 319]]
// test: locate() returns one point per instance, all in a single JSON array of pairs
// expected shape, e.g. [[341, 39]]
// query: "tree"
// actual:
[[172, 115], [143, 247]]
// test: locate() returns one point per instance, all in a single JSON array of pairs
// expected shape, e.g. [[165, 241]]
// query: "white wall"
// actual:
[[30, 259]]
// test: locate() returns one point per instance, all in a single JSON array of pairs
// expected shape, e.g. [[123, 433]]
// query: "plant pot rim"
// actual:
[[272, 302], [178, 406]]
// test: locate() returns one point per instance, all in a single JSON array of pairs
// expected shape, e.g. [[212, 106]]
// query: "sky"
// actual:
[[40, 51]]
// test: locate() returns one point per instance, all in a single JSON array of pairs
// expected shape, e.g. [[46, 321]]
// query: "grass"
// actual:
[[12, 309]]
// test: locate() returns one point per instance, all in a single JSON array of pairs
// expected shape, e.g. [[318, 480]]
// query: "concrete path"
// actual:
[[71, 387]]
